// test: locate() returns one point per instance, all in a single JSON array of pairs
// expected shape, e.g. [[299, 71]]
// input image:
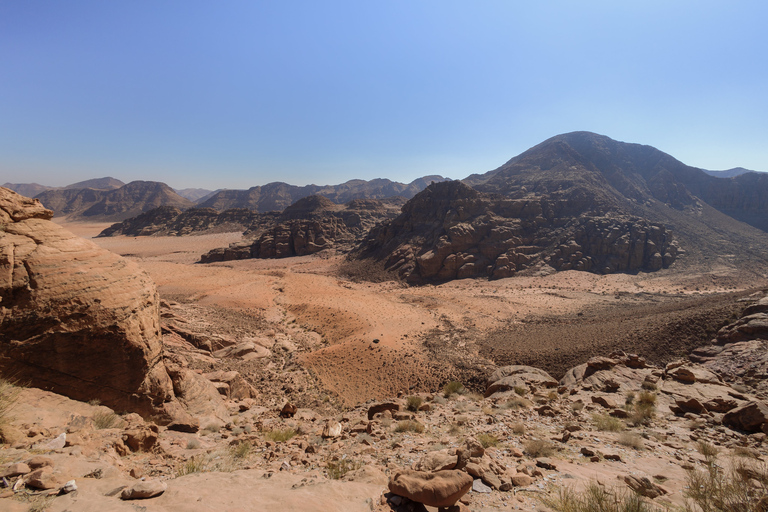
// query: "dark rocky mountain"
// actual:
[[576, 201], [278, 196], [173, 221], [310, 225], [118, 204], [107, 183], [27, 189]]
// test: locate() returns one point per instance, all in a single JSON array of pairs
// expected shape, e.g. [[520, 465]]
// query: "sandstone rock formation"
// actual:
[[76, 318], [81, 321]]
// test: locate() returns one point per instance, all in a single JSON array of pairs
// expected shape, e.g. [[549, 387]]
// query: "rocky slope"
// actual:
[[116, 204], [278, 196], [614, 421]]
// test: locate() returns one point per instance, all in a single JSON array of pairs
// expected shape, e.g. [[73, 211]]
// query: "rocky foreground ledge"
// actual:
[[615, 420]]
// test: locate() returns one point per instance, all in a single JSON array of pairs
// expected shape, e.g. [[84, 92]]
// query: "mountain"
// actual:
[[728, 173], [277, 196], [26, 189], [195, 194], [98, 184], [576, 201], [112, 205]]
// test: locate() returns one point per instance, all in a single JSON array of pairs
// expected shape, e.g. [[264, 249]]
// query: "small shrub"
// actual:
[[743, 488], [630, 398], [606, 423], [518, 428], [453, 388], [241, 450], [596, 498], [539, 448], [520, 390], [9, 394], [211, 428], [339, 468], [455, 429], [517, 403], [641, 414], [487, 440], [199, 464], [552, 396], [280, 435], [631, 440], [709, 451], [577, 406], [413, 403], [409, 426], [193, 444], [648, 386], [487, 410], [646, 398], [106, 419]]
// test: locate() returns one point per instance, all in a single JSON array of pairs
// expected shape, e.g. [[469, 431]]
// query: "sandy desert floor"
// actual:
[[378, 339]]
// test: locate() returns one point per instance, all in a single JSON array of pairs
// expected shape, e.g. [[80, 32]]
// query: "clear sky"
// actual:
[[241, 93]]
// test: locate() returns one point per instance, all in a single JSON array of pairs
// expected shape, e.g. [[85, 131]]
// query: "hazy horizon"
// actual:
[[203, 95]]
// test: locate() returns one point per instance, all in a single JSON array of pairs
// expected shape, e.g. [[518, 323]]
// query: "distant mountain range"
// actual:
[[107, 199]]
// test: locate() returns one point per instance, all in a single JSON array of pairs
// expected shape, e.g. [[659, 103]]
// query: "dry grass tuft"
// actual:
[[280, 435], [606, 423], [596, 498], [409, 426], [487, 440], [539, 448]]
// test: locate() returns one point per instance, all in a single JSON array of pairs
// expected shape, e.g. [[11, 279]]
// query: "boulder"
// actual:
[[143, 490], [434, 489], [436, 461], [236, 386], [750, 417], [76, 319], [381, 407]]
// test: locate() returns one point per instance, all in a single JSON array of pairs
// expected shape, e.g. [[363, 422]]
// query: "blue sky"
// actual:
[[241, 93]]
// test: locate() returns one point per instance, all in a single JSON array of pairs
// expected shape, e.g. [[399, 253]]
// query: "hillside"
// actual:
[[116, 205], [576, 201], [278, 196]]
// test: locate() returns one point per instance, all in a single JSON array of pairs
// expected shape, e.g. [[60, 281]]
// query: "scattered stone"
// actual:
[[385, 406], [288, 411], [144, 490], [68, 487], [644, 487], [479, 486]]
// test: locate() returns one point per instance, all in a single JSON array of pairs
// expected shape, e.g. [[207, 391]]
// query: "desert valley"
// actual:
[[589, 318]]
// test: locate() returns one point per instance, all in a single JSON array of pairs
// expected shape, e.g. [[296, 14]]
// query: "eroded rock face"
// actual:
[[451, 231], [74, 318]]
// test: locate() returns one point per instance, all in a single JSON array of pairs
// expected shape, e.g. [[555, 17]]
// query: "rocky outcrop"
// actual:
[[437, 489], [451, 231], [310, 225], [75, 318], [81, 321], [172, 221], [739, 352]]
